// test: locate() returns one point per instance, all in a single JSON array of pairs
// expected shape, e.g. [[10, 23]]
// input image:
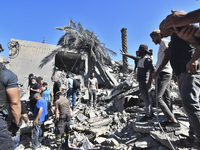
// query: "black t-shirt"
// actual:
[[35, 86], [9, 79], [180, 53], [56, 86]]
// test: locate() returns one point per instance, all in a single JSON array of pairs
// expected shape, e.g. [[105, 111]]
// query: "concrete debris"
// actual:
[[114, 123]]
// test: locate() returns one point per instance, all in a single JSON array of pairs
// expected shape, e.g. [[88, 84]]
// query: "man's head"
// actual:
[[143, 50], [53, 78], [92, 74], [156, 36], [33, 80], [137, 53], [44, 85], [37, 96], [165, 32], [69, 75], [59, 94], [31, 75]]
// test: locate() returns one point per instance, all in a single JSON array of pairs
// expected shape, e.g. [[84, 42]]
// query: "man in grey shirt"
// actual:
[[92, 88]]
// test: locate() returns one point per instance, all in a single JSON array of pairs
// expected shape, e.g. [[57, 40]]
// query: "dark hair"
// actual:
[[44, 84], [30, 75], [58, 93], [40, 78]]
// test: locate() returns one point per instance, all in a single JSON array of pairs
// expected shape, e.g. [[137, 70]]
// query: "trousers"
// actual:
[[189, 87]]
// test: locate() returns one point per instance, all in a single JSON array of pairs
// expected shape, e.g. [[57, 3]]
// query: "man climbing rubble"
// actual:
[[162, 83], [63, 115], [145, 70]]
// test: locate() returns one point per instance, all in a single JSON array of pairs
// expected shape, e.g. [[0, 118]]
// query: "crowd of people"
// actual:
[[180, 57], [42, 98]]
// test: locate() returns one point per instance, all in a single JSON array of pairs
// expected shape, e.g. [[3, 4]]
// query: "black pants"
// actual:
[[62, 131], [32, 104]]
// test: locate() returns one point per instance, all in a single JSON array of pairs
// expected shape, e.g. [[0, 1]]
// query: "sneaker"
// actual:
[[145, 118], [172, 126]]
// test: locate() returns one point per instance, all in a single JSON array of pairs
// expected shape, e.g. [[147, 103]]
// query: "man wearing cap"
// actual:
[[63, 115], [145, 70], [163, 79]]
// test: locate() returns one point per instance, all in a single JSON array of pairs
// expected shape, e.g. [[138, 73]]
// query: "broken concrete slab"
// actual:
[[145, 143], [81, 117], [100, 140], [111, 142], [102, 122]]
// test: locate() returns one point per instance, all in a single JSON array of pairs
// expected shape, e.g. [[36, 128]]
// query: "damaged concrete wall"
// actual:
[[27, 58]]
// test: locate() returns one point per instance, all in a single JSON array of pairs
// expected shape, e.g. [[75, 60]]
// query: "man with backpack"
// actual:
[[72, 89]]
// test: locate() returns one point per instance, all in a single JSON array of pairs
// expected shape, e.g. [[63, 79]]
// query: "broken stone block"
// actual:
[[145, 143], [87, 144], [81, 117], [102, 122], [111, 142], [99, 140], [91, 114], [119, 104]]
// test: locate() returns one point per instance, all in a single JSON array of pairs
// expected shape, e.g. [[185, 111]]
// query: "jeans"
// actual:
[[189, 86], [92, 97], [5, 136], [72, 92], [163, 94], [37, 134], [145, 96], [16, 139]]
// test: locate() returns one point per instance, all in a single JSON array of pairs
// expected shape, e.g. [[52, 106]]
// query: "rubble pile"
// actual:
[[113, 123]]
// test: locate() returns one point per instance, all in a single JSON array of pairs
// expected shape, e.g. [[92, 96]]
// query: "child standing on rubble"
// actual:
[[145, 70]]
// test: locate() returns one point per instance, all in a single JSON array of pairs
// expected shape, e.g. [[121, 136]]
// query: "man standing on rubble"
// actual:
[[93, 89], [40, 115], [145, 70], [63, 116], [162, 83], [56, 86]]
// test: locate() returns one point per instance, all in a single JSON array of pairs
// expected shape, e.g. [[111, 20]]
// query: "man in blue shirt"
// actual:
[[40, 115]]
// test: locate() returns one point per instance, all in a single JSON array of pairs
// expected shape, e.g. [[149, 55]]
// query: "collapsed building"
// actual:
[[113, 125]]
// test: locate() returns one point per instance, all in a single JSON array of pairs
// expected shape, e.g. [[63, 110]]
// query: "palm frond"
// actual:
[[49, 57]]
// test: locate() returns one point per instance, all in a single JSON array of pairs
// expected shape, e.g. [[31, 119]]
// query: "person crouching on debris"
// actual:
[[63, 115], [40, 115], [145, 70], [93, 89], [162, 83]]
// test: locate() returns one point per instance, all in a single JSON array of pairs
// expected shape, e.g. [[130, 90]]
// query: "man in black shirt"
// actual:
[[34, 88], [9, 87], [56, 87], [180, 53]]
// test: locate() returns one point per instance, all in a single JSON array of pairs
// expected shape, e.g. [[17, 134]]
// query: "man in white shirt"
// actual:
[[163, 77]]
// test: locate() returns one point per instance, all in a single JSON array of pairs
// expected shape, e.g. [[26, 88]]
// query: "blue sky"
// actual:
[[34, 19]]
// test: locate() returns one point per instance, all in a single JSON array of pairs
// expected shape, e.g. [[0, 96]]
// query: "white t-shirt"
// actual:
[[161, 53]]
